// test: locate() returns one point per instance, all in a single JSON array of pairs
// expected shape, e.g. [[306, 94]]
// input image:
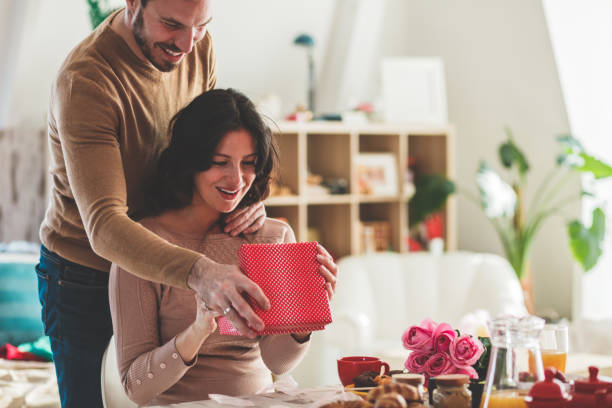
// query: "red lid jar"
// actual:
[[549, 393], [589, 392]]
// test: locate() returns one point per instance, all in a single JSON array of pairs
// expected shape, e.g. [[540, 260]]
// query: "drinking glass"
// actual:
[[515, 341], [554, 345]]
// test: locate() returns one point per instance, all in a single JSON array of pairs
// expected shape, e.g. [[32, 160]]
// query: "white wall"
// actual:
[[254, 45], [51, 29], [584, 59], [499, 71]]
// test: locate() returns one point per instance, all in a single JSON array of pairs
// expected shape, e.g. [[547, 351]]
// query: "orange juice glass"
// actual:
[[554, 343], [550, 358], [507, 399]]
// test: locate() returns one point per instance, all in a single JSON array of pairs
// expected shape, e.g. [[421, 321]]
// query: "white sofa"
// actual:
[[379, 295]]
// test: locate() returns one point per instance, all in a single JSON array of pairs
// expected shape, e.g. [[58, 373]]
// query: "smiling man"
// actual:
[[110, 107]]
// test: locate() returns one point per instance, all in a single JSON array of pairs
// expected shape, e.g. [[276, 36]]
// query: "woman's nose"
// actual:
[[234, 174]]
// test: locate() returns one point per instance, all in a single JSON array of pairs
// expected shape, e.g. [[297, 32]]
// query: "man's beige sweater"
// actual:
[[108, 118]]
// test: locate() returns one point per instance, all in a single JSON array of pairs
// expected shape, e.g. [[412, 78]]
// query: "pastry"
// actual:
[[365, 379], [408, 392], [348, 404], [390, 400], [382, 379]]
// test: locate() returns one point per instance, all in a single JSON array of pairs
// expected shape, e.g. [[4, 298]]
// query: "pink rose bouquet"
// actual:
[[438, 349]]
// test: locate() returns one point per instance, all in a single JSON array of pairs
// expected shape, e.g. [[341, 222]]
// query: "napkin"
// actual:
[[288, 275]]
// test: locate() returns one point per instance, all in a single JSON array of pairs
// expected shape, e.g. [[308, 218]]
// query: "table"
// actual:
[[299, 398]]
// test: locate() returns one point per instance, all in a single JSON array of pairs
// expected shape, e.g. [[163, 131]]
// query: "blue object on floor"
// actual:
[[20, 319]]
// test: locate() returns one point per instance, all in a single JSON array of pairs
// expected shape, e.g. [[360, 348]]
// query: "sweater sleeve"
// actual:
[[146, 366], [97, 182], [282, 353]]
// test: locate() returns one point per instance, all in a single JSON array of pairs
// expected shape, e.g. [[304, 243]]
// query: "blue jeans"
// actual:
[[76, 317]]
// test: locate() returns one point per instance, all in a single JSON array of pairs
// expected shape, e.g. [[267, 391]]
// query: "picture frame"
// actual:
[[414, 90], [377, 174]]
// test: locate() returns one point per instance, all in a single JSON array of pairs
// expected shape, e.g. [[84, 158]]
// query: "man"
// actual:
[[109, 110]]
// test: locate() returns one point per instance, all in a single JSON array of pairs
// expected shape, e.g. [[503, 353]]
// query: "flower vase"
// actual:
[[477, 388]]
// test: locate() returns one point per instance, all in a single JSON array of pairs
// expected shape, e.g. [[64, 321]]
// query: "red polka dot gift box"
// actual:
[[289, 276]]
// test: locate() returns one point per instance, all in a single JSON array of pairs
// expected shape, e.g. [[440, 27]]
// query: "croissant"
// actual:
[[390, 400], [348, 404], [408, 392]]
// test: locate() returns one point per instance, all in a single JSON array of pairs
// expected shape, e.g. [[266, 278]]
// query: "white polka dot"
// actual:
[[150, 375], [174, 356], [138, 382], [162, 365]]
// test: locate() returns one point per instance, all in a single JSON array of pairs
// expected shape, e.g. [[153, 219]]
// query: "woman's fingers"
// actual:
[[246, 220]]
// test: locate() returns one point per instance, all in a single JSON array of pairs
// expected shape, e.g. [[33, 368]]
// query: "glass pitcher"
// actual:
[[515, 363]]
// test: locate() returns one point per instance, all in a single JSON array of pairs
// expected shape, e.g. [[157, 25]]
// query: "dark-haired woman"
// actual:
[[220, 157]]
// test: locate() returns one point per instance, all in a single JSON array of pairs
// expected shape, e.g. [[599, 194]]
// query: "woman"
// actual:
[[220, 157]]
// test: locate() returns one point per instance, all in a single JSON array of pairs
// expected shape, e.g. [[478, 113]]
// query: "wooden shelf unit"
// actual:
[[330, 149]]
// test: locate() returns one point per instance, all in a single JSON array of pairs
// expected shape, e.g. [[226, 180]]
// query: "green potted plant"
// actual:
[[98, 12], [430, 194], [517, 224]]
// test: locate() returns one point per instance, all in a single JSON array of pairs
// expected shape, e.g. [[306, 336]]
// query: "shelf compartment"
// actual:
[[329, 199], [429, 153], [288, 172], [388, 213], [329, 155], [290, 214], [333, 225], [282, 200], [378, 143]]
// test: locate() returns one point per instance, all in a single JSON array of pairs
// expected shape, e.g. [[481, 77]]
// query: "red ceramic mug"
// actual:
[[351, 367]]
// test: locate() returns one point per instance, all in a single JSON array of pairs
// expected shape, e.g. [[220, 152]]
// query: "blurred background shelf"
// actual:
[[328, 152]]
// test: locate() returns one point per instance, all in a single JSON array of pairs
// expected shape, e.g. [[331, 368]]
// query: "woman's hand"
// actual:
[[245, 220], [205, 323], [189, 341], [328, 269]]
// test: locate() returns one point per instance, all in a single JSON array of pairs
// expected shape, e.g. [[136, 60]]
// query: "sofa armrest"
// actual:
[[349, 332]]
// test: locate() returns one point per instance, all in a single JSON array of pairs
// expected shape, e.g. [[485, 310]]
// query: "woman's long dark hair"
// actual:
[[195, 132]]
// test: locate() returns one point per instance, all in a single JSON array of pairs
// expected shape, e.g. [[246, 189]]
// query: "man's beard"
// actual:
[[138, 31]]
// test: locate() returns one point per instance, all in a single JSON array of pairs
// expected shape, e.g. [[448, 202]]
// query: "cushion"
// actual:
[[20, 318]]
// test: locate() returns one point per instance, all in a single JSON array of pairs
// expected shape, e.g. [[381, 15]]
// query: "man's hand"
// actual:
[[221, 288], [245, 220]]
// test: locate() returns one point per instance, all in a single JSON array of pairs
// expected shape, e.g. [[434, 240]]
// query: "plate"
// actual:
[[360, 393]]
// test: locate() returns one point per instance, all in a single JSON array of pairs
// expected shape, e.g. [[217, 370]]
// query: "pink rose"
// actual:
[[465, 350], [443, 336], [439, 364], [467, 370], [420, 338], [415, 363]]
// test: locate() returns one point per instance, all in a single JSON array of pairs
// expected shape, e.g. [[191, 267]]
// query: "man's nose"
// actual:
[[186, 40]]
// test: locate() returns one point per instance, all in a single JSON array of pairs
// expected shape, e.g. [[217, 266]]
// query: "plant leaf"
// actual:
[[569, 142], [510, 154], [594, 166], [482, 365], [497, 197], [585, 243], [431, 192]]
